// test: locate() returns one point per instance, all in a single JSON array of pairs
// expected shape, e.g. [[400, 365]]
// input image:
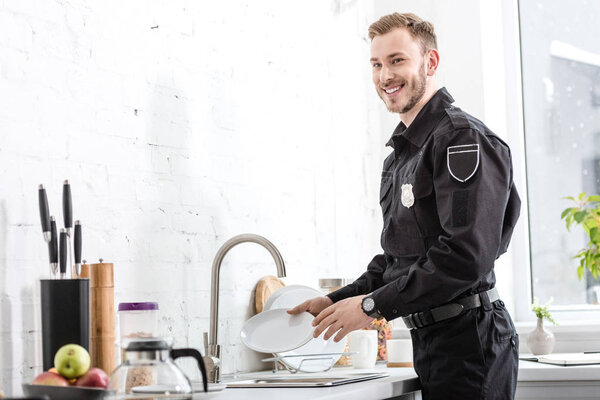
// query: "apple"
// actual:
[[72, 361], [50, 379], [95, 377]]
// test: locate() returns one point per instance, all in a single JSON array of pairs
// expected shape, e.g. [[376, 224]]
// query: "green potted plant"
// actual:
[[587, 214], [541, 340]]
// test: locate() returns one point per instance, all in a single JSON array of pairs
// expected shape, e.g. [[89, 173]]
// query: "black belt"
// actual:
[[421, 319]]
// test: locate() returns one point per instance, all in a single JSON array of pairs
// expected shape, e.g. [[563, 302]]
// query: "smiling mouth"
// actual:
[[393, 90]]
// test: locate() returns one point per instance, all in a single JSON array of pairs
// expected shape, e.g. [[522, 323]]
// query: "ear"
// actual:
[[433, 61]]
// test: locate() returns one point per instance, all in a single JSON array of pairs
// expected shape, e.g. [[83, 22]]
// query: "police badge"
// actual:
[[407, 197]]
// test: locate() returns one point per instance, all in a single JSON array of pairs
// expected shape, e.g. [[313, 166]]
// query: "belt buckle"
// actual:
[[409, 321], [418, 321], [415, 321]]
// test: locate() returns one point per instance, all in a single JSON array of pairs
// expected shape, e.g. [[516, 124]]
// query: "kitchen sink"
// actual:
[[306, 380]]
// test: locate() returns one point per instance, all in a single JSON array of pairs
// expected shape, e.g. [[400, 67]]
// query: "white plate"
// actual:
[[198, 387], [274, 331], [290, 296]]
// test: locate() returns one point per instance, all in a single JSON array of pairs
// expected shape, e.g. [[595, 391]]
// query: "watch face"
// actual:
[[368, 304]]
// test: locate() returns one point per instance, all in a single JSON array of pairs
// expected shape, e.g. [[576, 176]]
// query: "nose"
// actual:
[[385, 74]]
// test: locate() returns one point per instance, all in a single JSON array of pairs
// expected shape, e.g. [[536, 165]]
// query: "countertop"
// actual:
[[400, 381], [535, 371]]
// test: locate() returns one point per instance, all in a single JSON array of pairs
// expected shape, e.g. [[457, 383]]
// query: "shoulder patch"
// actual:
[[463, 161]]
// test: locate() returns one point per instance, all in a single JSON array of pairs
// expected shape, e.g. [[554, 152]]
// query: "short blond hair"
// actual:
[[421, 30]]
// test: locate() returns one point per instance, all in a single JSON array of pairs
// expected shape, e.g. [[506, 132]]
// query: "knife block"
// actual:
[[65, 315]]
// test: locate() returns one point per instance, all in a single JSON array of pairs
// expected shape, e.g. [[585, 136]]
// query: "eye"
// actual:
[[397, 60], [376, 65]]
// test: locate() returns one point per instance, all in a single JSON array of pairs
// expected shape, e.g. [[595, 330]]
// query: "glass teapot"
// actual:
[[148, 371]]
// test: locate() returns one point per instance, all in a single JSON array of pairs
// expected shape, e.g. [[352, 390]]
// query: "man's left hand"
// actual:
[[344, 316]]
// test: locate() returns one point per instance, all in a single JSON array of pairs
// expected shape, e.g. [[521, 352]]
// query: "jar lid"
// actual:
[[332, 282], [150, 305]]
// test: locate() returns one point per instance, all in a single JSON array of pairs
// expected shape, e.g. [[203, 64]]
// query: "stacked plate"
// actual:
[[290, 336]]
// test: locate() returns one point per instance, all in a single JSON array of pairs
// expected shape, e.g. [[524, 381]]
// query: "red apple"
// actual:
[[95, 377], [51, 379]]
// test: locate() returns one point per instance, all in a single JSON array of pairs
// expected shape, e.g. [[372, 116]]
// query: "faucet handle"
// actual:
[[212, 355], [213, 368]]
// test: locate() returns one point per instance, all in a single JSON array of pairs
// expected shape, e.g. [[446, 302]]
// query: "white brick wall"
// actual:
[[180, 124]]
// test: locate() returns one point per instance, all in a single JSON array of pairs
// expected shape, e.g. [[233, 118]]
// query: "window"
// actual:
[[561, 100]]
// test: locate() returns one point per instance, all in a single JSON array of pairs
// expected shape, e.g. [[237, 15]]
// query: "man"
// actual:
[[449, 207]]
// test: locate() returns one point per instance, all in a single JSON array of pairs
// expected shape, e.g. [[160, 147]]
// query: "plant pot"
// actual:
[[540, 340]]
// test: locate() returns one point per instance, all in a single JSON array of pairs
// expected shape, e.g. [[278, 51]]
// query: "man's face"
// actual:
[[399, 70]]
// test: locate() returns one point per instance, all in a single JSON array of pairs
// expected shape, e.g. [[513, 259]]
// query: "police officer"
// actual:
[[449, 207]]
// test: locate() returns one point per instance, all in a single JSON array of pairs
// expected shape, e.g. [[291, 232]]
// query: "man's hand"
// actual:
[[344, 316], [313, 306]]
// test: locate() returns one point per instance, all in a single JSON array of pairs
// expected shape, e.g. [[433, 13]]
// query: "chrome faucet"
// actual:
[[211, 348]]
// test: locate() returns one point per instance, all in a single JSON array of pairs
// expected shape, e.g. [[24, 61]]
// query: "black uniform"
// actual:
[[449, 208]]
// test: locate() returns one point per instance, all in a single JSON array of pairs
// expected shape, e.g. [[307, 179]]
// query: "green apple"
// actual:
[[72, 361]]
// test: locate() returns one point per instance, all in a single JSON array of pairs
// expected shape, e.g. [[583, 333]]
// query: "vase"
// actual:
[[540, 340]]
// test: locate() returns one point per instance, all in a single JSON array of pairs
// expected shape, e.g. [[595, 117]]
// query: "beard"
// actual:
[[415, 90]]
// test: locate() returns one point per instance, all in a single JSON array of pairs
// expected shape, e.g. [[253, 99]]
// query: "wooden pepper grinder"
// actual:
[[102, 314]]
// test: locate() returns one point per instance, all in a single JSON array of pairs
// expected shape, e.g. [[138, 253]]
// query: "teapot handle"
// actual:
[[176, 353]]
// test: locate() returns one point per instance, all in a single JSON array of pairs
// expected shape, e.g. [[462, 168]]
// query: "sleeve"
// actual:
[[366, 283], [471, 197]]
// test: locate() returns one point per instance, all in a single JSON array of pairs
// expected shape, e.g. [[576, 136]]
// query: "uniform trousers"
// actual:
[[469, 357]]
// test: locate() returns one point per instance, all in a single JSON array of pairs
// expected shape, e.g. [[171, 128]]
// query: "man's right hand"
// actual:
[[313, 306]]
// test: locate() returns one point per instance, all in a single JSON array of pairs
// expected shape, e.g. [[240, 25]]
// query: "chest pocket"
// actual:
[[421, 218], [385, 199]]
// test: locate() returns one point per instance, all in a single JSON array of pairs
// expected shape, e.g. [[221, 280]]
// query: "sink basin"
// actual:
[[306, 380]]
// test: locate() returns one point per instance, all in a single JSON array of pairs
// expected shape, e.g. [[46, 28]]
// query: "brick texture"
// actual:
[[179, 125]]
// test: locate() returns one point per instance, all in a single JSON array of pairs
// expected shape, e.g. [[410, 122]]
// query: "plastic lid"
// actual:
[[138, 306]]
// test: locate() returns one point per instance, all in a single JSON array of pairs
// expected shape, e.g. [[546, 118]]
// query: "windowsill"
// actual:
[[563, 327], [571, 336]]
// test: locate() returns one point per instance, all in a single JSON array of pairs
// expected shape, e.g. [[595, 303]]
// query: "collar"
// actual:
[[418, 132]]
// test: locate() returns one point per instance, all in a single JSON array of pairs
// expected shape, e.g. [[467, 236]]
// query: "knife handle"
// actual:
[[53, 245], [77, 242], [67, 205], [44, 213], [62, 252]]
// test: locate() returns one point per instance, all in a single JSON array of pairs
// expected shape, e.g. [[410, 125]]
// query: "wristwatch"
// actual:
[[368, 307]]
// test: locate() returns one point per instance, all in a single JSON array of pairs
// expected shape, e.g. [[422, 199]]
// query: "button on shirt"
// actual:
[[449, 208]]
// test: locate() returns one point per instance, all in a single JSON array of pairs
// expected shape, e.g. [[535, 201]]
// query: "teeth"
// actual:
[[390, 91]]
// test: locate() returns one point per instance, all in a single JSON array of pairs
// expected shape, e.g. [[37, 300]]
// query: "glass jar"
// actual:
[[136, 320], [384, 332], [330, 285]]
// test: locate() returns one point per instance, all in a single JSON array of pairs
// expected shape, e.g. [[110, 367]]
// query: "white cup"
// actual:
[[399, 353], [364, 343]]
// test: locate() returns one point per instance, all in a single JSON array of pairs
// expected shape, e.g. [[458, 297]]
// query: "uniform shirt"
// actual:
[[449, 208]]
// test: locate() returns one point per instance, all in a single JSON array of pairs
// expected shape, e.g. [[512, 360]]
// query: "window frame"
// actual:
[[575, 316]]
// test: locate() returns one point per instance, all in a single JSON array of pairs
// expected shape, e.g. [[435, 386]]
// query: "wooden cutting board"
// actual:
[[265, 287]]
